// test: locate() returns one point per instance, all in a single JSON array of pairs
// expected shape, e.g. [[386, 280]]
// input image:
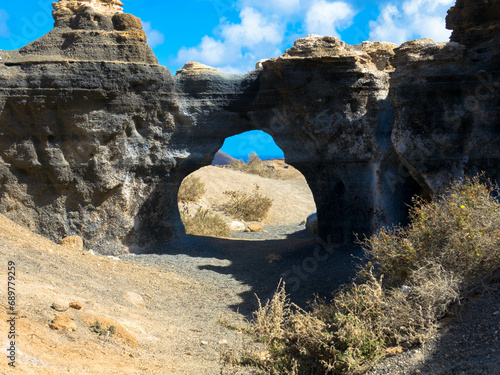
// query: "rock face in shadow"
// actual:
[[474, 22], [446, 103], [96, 137], [326, 105]]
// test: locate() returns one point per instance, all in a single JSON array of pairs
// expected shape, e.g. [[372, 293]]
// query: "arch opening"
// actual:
[[248, 192]]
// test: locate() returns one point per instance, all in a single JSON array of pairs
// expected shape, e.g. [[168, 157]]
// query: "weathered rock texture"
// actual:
[[96, 137], [474, 21]]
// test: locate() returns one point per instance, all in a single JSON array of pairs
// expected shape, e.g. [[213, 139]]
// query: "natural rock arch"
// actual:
[[96, 136], [292, 198]]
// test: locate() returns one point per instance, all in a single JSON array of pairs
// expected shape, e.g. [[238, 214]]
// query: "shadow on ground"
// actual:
[[309, 267]]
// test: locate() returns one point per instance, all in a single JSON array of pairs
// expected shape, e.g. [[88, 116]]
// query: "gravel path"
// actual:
[[469, 344], [248, 268], [466, 345], [276, 232]]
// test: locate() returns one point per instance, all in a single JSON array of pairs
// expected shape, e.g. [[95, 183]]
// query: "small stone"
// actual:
[[254, 228], [74, 242], [204, 343], [237, 226], [406, 289], [60, 307], [135, 299], [390, 352], [273, 258], [76, 305], [63, 322], [264, 356], [496, 313], [223, 342], [149, 296]]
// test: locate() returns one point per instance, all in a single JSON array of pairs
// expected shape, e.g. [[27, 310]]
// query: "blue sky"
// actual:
[[234, 35]]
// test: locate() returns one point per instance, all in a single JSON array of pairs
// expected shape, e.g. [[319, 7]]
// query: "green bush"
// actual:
[[98, 328], [247, 206], [191, 189], [450, 249], [205, 223]]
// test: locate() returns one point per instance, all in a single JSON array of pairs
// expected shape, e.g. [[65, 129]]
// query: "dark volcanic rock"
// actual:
[[81, 154], [325, 104], [96, 137], [474, 21], [447, 104]]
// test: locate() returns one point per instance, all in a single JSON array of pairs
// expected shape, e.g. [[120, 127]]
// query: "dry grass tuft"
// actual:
[[205, 223], [458, 230], [248, 206], [415, 274], [256, 166], [191, 189]]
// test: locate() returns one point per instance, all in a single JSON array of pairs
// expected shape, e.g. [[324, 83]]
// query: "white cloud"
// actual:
[[327, 18], [265, 29], [155, 38], [413, 19], [4, 29], [210, 52], [238, 46], [253, 30]]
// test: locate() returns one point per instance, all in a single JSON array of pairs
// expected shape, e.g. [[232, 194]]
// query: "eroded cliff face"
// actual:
[[96, 137], [446, 99], [326, 105], [474, 22], [86, 119]]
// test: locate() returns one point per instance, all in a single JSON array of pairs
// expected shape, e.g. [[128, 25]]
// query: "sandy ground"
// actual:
[[165, 307], [174, 332], [292, 198], [171, 329]]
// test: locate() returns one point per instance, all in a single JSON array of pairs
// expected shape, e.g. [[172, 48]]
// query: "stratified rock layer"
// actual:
[[96, 137]]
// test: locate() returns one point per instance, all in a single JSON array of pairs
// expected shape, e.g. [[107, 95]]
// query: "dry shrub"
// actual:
[[191, 189], [205, 223], [459, 230], [248, 206], [352, 332], [415, 274], [255, 166], [328, 339]]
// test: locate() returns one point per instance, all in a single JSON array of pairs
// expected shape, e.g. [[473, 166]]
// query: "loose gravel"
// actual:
[[468, 344], [254, 268], [275, 232]]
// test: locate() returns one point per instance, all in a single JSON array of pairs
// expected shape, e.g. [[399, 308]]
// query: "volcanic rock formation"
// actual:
[[96, 136]]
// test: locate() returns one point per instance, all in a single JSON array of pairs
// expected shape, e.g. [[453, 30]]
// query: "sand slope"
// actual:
[[292, 199]]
